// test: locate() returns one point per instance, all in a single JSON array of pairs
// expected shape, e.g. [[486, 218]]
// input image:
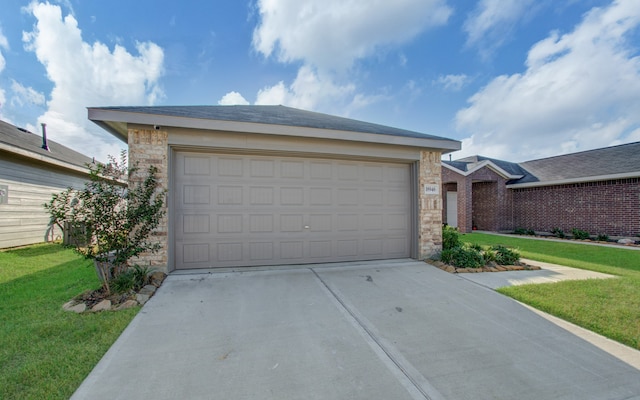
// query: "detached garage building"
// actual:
[[273, 185]]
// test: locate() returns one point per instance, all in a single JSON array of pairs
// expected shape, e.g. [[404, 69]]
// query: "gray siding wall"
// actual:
[[23, 219]]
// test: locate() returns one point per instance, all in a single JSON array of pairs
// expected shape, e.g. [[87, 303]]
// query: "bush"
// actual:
[[558, 233], [490, 255], [450, 238], [462, 257], [124, 282], [602, 237], [579, 234], [505, 255], [133, 278], [523, 231], [121, 208]]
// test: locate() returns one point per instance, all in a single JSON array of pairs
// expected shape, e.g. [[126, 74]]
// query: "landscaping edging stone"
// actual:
[[492, 268], [115, 302]]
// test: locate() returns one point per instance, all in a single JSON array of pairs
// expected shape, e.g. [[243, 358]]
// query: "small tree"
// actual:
[[119, 209]]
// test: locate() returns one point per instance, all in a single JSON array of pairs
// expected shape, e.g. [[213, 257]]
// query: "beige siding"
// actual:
[[23, 219]]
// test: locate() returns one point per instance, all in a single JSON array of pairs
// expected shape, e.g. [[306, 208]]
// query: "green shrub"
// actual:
[[141, 275], [120, 218], [134, 278], [603, 237], [523, 231], [462, 257], [124, 282], [579, 234], [450, 237], [475, 246], [505, 255], [490, 255], [558, 233]]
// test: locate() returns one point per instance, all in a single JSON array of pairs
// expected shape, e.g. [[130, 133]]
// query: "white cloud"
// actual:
[[89, 75], [332, 34], [310, 91], [328, 37], [4, 44], [489, 24], [232, 98], [26, 95], [580, 90], [452, 82]]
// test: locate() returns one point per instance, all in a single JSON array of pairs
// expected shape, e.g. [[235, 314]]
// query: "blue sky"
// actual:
[[511, 79]]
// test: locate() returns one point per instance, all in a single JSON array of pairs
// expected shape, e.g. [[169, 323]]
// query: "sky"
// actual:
[[511, 79]]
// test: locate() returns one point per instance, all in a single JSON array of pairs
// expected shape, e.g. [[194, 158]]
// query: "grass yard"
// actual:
[[610, 307], [45, 352]]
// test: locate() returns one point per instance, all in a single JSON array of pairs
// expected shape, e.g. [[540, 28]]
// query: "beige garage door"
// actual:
[[239, 210]]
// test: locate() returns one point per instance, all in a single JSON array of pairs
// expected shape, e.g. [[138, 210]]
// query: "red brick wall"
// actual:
[[611, 207], [485, 200], [462, 185], [492, 201]]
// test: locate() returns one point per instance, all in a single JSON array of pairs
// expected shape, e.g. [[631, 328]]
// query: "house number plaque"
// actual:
[[431, 188]]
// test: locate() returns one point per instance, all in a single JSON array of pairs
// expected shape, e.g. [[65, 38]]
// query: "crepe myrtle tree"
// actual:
[[113, 217]]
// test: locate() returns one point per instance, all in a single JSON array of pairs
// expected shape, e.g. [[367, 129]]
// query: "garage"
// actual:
[[273, 185], [249, 210]]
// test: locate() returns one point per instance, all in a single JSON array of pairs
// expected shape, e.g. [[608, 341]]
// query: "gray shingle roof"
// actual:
[[276, 115], [621, 159], [468, 163], [25, 140], [582, 166]]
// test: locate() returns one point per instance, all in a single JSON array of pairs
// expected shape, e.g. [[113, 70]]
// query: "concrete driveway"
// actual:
[[376, 330]]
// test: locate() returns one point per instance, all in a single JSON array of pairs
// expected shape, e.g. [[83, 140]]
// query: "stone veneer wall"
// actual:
[[149, 147], [430, 206]]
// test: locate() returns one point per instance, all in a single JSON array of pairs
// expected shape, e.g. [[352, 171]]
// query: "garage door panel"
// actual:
[[230, 195], [197, 165], [196, 223], [236, 210]]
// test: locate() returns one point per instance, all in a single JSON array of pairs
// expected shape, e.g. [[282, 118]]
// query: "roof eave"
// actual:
[[116, 121], [625, 175], [41, 158], [482, 164]]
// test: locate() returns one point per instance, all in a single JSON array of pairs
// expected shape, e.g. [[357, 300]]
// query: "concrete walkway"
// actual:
[[549, 273], [378, 330]]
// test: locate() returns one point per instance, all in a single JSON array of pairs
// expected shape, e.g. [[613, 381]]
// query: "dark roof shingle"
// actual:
[[621, 159], [25, 140], [275, 115]]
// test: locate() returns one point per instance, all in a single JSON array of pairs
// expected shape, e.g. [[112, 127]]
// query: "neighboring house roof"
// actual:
[[616, 162], [26, 144], [468, 165], [257, 119]]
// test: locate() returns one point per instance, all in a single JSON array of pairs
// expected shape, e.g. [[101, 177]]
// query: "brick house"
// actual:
[[273, 185], [597, 191]]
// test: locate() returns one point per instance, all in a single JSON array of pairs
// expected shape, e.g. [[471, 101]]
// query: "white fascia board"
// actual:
[[625, 175], [482, 164], [41, 158], [102, 117]]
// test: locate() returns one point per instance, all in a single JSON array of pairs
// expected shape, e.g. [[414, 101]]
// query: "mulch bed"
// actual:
[[492, 267]]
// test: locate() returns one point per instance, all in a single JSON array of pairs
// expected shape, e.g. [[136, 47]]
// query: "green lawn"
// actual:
[[45, 352], [610, 307]]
